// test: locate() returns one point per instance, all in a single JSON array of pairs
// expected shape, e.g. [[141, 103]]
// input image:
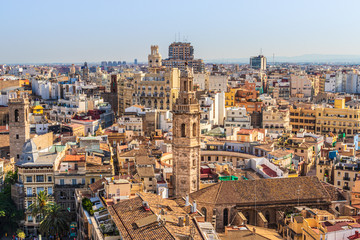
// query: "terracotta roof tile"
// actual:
[[268, 191], [127, 212], [74, 158]]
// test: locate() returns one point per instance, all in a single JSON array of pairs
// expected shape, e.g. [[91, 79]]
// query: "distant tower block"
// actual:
[[154, 57], [19, 125]]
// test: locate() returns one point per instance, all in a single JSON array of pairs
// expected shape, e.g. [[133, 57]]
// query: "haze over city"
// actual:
[[78, 31], [181, 120]]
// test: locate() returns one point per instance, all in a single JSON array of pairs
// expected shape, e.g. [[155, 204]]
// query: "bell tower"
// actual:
[[186, 138], [154, 57], [19, 125]]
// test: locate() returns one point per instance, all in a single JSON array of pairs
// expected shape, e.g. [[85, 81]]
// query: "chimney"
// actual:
[[181, 221], [187, 220], [193, 207], [187, 203]]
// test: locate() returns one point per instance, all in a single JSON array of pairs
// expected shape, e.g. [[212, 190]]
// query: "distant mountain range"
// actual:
[[307, 58]]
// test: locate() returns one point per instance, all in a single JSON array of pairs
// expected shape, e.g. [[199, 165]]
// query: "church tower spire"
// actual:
[[186, 138]]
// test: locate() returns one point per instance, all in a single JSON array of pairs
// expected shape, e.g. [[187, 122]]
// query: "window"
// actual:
[[28, 179], [50, 190], [92, 180], [29, 191], [39, 178], [62, 182], [83, 181], [150, 179], [39, 189], [338, 183], [17, 136], [73, 181], [49, 178], [17, 116], [183, 130], [30, 218], [194, 130]]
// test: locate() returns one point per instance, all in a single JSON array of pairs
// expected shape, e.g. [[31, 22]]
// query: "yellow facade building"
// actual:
[[38, 110], [230, 97], [337, 120], [303, 117]]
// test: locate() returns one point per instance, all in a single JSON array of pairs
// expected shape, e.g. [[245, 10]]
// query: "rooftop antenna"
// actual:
[[179, 37], [260, 51], [274, 59]]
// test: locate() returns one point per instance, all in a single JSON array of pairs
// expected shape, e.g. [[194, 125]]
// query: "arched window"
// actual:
[[17, 116], [183, 130], [203, 211], [194, 130], [226, 217]]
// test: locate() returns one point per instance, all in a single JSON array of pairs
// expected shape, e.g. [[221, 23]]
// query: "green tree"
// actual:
[[9, 215], [11, 178], [20, 233], [55, 222], [87, 205], [40, 205]]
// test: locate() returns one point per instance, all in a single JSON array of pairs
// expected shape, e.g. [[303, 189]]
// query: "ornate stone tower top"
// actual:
[[154, 57], [186, 102], [186, 138]]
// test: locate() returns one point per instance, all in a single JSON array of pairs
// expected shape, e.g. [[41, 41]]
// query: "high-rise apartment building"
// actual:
[[181, 55], [182, 51], [258, 62]]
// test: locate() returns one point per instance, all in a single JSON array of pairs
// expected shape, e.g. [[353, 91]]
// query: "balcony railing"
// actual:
[[346, 188], [346, 178]]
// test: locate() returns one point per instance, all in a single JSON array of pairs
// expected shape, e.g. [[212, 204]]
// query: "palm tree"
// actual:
[[55, 222], [40, 205]]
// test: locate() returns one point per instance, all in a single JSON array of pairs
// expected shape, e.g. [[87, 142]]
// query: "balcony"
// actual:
[[69, 185], [346, 188], [346, 179]]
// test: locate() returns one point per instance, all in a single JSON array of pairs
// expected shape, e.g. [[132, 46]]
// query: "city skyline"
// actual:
[[66, 32]]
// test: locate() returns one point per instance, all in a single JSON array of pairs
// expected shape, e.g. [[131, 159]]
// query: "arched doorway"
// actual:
[[226, 217], [203, 211], [247, 215], [267, 216]]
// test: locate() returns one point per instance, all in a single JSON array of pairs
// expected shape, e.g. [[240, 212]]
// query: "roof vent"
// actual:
[[146, 206], [181, 221]]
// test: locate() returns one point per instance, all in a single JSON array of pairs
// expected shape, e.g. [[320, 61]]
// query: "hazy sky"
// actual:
[[76, 31]]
